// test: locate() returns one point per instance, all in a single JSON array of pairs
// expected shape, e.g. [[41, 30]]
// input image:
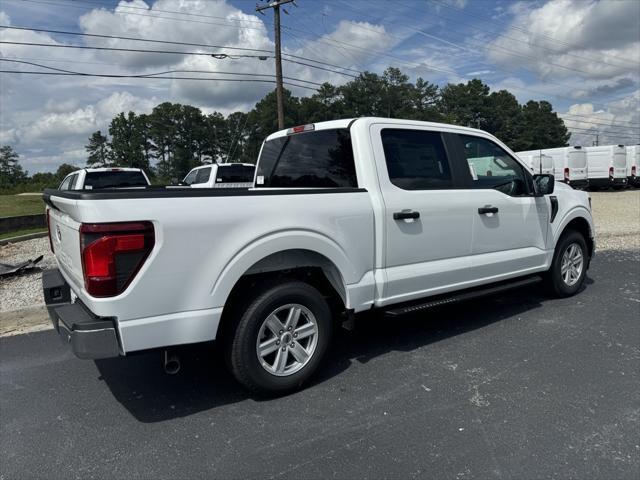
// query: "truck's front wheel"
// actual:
[[280, 338]]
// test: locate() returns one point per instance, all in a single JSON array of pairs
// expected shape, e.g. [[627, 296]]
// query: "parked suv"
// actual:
[[345, 216]]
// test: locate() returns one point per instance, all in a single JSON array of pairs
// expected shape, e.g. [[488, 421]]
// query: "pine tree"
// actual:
[[98, 150]]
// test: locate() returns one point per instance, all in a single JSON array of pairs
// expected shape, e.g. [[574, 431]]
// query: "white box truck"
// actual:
[[537, 161], [569, 164], [607, 166], [633, 165]]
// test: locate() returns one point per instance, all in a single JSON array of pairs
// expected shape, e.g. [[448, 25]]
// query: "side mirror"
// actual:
[[543, 184]]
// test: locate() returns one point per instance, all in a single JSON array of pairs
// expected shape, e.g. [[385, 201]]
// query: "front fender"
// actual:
[[560, 224]]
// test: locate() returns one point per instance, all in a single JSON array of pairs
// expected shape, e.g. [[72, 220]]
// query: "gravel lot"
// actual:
[[617, 218]]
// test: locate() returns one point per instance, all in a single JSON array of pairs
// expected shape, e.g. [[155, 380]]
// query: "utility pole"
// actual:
[[276, 23]]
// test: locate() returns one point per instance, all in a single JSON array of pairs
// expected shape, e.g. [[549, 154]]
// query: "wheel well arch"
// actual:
[[581, 225], [300, 264]]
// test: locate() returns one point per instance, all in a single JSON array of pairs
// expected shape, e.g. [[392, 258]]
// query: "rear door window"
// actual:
[[416, 159], [319, 159], [577, 159], [203, 175]]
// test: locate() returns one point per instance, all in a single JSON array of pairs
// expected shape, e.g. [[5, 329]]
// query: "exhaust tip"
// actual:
[[171, 363]]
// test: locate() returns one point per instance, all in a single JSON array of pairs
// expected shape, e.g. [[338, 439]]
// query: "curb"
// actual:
[[22, 238]]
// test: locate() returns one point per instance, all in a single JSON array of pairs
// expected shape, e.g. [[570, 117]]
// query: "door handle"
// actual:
[[487, 209], [408, 214]]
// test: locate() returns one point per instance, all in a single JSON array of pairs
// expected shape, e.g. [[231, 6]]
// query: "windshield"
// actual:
[[114, 179], [235, 173], [191, 177], [319, 159]]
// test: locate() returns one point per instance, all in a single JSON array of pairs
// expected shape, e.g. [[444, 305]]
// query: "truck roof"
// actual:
[[346, 122], [112, 169]]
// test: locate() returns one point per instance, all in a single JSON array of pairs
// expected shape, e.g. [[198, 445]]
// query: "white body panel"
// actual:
[[602, 158], [205, 243]]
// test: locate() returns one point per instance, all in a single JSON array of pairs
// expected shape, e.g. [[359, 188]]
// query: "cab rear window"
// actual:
[[235, 174], [114, 179], [318, 159]]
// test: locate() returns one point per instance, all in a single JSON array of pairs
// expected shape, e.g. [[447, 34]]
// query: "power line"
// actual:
[[168, 42], [136, 39], [610, 134], [171, 42], [80, 74], [603, 124], [166, 72], [88, 7]]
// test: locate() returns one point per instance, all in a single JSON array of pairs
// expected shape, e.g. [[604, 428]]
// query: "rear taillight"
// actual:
[[112, 254], [611, 172], [49, 231], [633, 171], [566, 174]]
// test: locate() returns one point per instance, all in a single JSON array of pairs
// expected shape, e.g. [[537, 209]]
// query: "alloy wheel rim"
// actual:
[[287, 339], [572, 264]]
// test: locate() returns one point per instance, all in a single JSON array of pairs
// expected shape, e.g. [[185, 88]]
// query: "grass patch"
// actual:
[[12, 205], [17, 233]]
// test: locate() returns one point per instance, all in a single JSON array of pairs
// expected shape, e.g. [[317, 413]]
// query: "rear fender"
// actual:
[[250, 255]]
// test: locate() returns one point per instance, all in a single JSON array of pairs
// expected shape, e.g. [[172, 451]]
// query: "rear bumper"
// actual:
[[619, 182], [607, 182], [582, 183], [634, 180], [88, 335]]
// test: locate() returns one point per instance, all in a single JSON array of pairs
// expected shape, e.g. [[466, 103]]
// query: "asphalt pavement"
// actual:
[[514, 386]]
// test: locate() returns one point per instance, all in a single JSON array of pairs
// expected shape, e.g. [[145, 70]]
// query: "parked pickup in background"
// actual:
[[99, 178], [345, 216], [221, 175]]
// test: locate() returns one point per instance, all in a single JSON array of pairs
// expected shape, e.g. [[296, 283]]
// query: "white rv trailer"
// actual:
[[607, 166], [537, 162], [569, 164], [633, 165]]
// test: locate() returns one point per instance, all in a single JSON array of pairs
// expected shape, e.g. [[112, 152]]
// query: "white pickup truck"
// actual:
[[345, 216], [221, 175]]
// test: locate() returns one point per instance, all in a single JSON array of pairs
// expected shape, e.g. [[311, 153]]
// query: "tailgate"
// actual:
[[65, 238]]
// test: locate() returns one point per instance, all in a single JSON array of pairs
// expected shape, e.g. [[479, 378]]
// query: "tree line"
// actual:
[[174, 138]]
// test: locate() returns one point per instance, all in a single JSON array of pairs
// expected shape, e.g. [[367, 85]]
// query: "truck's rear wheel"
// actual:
[[569, 267], [280, 338]]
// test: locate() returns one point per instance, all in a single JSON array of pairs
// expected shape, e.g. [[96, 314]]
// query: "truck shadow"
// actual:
[[139, 383]]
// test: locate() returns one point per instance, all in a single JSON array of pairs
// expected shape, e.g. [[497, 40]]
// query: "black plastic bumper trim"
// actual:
[[90, 336]]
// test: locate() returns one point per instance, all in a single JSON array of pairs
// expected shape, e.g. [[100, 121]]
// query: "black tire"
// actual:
[[242, 356], [557, 285]]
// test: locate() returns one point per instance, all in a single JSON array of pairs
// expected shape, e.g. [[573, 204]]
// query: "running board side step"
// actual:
[[463, 296]]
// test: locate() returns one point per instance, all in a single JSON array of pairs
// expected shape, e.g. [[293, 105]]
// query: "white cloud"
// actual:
[[564, 38], [618, 123]]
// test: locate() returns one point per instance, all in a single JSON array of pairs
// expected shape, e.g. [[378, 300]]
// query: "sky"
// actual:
[[581, 55]]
